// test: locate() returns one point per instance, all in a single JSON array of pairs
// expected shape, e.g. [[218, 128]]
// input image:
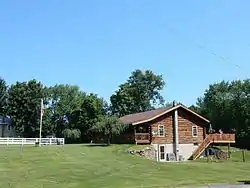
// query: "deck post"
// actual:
[[135, 135], [243, 155], [228, 151], [149, 131], [207, 155]]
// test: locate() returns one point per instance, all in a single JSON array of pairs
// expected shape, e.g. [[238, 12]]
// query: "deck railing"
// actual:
[[142, 136], [201, 147], [228, 138], [31, 141]]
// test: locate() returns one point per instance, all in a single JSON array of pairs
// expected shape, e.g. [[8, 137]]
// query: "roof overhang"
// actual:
[[169, 110]]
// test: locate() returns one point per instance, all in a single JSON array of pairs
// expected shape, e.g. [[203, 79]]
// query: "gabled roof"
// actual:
[[147, 116]]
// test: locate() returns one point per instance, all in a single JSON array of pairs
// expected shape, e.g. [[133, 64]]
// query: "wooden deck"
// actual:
[[213, 138], [142, 138], [222, 138]]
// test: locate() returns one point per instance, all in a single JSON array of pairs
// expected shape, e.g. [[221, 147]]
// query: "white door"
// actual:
[[162, 153]]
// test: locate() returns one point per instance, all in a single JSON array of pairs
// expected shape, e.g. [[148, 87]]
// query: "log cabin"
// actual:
[[174, 131]]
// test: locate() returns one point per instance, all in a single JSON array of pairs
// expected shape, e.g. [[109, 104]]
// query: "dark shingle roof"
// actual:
[[132, 118], [146, 116]]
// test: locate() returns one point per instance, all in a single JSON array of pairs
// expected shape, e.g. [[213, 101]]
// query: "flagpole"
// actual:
[[41, 122]]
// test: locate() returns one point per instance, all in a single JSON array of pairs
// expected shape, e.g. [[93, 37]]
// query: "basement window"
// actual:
[[161, 131], [194, 131]]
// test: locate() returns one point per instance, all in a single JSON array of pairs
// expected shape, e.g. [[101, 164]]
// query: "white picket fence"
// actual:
[[31, 141]]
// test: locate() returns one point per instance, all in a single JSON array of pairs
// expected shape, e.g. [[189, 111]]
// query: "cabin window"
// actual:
[[8, 127], [194, 131], [161, 131], [162, 152]]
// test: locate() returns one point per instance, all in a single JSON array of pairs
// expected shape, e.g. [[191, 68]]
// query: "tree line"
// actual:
[[227, 105], [74, 114], [79, 116]]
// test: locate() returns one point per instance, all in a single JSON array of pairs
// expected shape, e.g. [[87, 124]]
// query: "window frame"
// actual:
[[162, 153], [163, 128], [196, 128]]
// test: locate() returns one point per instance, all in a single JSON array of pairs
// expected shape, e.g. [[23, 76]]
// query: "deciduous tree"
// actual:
[[63, 100], [71, 134], [92, 107], [24, 104], [226, 104], [139, 93], [109, 126], [72, 112]]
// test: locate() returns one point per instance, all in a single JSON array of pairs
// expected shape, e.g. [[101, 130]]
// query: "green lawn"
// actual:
[[80, 166]]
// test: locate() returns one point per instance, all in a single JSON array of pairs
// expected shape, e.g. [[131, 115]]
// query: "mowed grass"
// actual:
[[81, 166]]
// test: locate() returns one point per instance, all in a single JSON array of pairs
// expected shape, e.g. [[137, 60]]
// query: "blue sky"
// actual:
[[97, 44]]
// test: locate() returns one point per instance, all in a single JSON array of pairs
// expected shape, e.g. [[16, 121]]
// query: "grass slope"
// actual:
[[79, 166]]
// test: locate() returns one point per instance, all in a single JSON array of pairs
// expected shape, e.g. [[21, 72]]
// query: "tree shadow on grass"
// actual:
[[246, 182], [97, 145]]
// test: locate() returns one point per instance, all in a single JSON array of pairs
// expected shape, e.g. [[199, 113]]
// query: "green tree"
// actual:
[[109, 126], [3, 96], [83, 118], [71, 135], [24, 104], [139, 93], [71, 112], [63, 100], [226, 104]]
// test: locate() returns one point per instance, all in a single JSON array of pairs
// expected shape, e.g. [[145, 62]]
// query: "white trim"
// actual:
[[195, 126], [158, 130], [159, 151], [156, 155]]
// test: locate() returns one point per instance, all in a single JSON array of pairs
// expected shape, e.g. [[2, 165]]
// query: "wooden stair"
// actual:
[[212, 138], [206, 142]]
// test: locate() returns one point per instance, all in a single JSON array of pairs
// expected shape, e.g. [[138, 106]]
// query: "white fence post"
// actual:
[[30, 141]]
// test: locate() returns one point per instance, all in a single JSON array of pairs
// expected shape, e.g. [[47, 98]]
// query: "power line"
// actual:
[[203, 47], [224, 59]]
